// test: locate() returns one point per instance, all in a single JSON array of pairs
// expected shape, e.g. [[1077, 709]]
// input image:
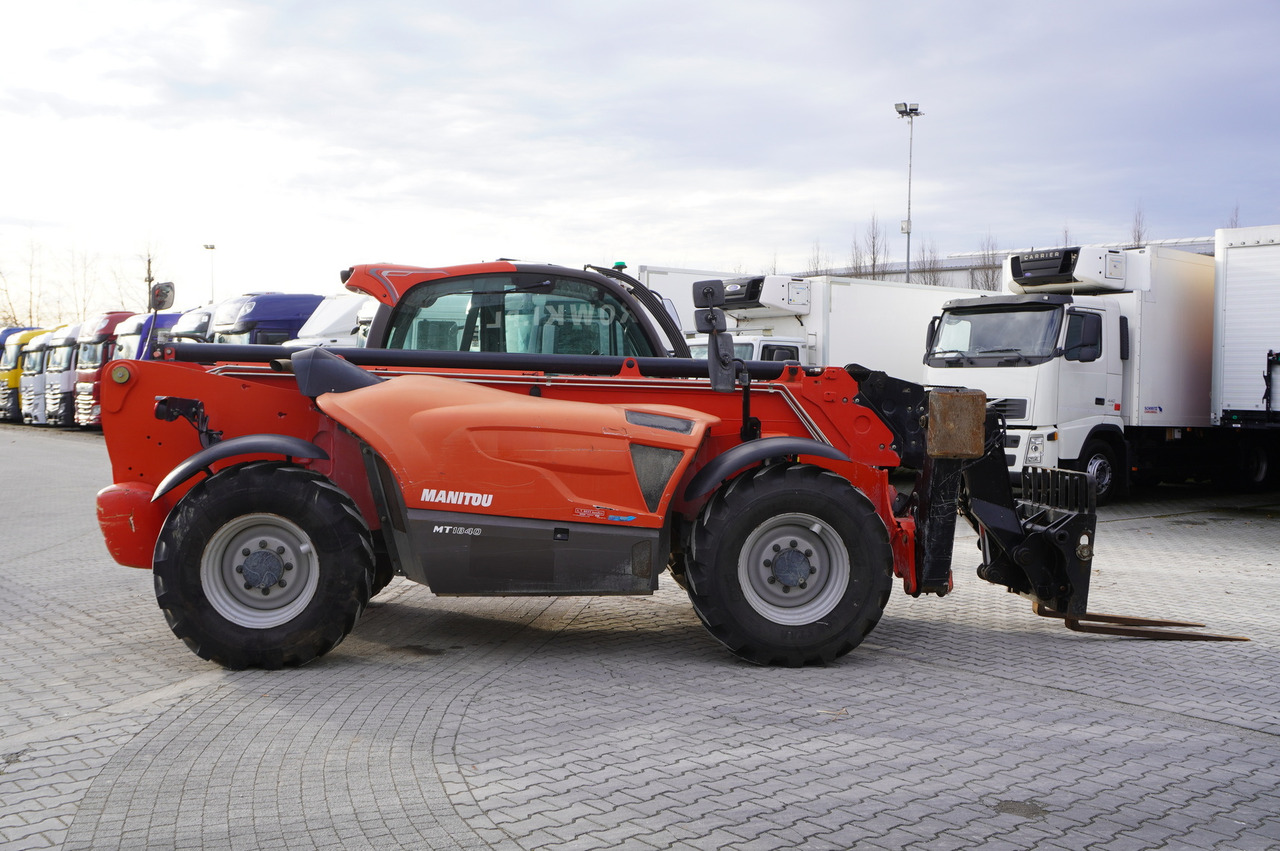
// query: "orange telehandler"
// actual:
[[529, 429]]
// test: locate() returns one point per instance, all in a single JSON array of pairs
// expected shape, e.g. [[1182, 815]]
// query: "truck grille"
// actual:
[[1010, 409], [84, 410]]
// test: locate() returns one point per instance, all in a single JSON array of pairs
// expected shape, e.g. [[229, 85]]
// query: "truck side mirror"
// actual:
[[161, 296]]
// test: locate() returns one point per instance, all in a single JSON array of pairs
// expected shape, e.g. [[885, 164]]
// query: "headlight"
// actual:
[[1035, 449]]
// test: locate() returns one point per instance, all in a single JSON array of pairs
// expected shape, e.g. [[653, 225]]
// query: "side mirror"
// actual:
[[710, 320], [708, 293], [161, 296]]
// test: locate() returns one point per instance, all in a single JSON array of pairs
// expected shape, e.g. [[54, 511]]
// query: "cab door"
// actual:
[[1089, 383]]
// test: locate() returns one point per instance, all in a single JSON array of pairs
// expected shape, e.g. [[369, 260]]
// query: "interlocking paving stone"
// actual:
[[531, 723]]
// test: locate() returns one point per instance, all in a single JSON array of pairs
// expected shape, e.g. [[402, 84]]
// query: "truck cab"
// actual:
[[11, 370], [95, 347], [32, 381], [1097, 360], [139, 335], [261, 318], [60, 376], [339, 320], [194, 326]]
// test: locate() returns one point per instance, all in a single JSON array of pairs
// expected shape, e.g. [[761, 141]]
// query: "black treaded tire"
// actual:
[[263, 565], [1098, 458], [790, 565]]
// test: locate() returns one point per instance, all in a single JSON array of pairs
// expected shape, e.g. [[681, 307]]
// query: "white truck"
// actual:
[[339, 320], [1103, 359], [828, 320], [60, 376]]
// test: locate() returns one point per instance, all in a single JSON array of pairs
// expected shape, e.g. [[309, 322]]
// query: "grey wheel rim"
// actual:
[[259, 571], [793, 569]]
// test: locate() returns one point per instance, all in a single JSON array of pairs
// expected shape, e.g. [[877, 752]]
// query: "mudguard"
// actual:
[[746, 454], [249, 444]]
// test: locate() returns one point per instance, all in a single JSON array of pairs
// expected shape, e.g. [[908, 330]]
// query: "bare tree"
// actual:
[[1234, 221], [819, 262], [1066, 236], [33, 281], [80, 285], [1138, 234], [927, 268], [875, 246], [987, 273], [856, 258], [8, 314]]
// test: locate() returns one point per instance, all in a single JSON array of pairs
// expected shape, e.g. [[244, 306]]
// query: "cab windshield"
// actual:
[[127, 347], [12, 355], [524, 312], [996, 336], [60, 358], [33, 363], [90, 355], [741, 351]]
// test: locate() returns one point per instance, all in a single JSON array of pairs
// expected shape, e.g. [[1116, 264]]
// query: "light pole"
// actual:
[[909, 111], [211, 300]]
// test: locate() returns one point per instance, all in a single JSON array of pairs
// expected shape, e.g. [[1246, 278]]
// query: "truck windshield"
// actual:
[[1013, 335], [12, 354], [741, 351], [60, 358], [33, 363], [522, 312], [90, 355], [127, 347]]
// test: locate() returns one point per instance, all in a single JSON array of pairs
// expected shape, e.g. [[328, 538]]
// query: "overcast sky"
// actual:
[[301, 138]]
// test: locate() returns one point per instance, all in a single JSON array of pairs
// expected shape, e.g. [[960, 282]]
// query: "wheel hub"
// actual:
[[791, 567], [262, 569]]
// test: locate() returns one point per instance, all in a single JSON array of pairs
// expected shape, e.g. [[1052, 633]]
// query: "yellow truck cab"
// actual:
[[11, 371]]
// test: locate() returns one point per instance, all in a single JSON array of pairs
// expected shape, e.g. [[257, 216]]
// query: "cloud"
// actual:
[[304, 137]]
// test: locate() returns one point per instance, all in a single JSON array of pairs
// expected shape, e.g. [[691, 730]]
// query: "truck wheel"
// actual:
[[1099, 460], [263, 565], [1253, 466], [790, 565]]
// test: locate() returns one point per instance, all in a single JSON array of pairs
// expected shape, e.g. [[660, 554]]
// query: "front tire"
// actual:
[[263, 565], [1098, 459], [790, 565]]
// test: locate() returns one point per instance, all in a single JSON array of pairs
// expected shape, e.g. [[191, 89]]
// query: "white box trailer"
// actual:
[[838, 321], [1246, 328]]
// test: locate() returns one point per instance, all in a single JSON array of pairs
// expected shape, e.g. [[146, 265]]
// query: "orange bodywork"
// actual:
[[479, 450], [555, 448]]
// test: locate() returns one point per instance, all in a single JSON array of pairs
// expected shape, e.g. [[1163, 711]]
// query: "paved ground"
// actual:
[[619, 723]]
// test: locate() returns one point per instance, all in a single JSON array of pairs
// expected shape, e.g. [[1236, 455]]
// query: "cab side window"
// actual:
[[521, 313], [1084, 337]]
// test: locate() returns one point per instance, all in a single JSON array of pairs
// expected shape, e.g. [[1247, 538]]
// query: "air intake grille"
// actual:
[[1010, 409]]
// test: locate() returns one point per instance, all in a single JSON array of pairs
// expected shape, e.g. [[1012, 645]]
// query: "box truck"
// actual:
[[1105, 360], [833, 321]]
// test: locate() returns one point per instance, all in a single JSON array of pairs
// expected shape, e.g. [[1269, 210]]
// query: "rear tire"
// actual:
[[790, 565], [263, 565]]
